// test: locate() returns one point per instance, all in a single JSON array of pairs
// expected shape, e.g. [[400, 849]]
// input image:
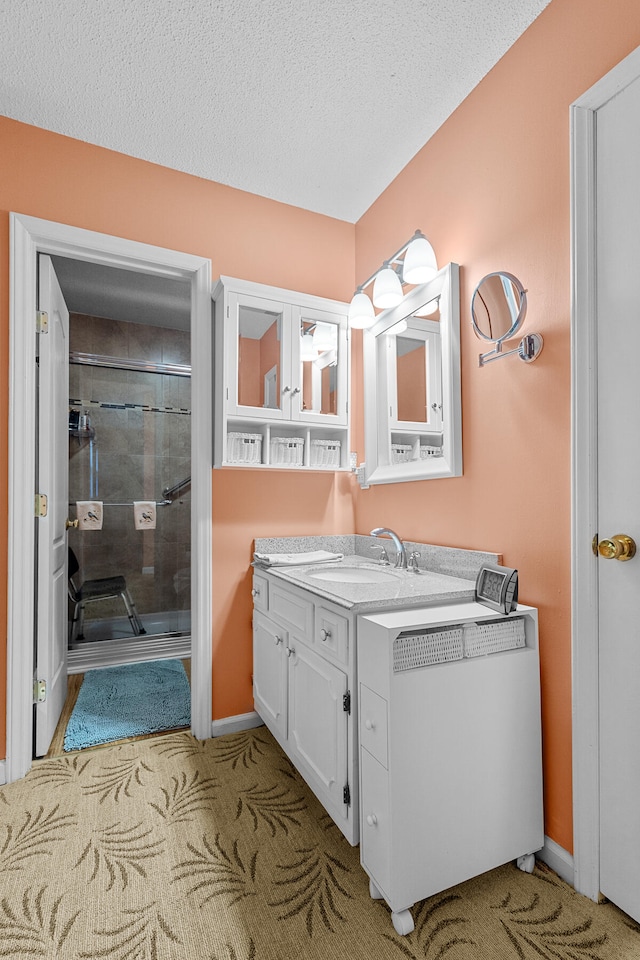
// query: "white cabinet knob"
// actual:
[[277, 640], [255, 592], [369, 724], [372, 820], [325, 634]]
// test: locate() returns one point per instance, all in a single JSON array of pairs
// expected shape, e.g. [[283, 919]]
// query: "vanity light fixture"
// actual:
[[361, 312], [419, 264], [415, 262], [387, 289]]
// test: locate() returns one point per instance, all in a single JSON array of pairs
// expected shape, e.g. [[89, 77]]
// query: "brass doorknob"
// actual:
[[70, 523], [619, 547]]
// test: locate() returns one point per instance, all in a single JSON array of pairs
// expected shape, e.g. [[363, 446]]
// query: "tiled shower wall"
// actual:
[[136, 453]]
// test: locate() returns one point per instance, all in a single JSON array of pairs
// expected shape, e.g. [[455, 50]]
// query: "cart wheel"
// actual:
[[402, 922], [374, 893], [526, 863]]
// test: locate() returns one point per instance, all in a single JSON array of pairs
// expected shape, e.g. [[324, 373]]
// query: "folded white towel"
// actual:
[[89, 514], [294, 559], [144, 514]]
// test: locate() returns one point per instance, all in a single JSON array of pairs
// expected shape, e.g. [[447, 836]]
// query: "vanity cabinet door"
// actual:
[[270, 673], [318, 724]]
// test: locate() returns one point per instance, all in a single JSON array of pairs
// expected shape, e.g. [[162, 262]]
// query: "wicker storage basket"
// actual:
[[287, 450], [438, 645], [325, 453], [244, 448]]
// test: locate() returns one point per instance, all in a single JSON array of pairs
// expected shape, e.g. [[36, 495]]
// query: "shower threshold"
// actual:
[[111, 642]]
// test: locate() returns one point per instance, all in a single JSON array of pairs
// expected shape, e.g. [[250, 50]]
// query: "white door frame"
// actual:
[[30, 236], [586, 813]]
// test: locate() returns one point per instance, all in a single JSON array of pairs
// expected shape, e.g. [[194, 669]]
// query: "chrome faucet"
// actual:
[[401, 554]]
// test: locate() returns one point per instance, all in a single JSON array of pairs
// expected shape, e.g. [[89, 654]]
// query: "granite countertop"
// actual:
[[400, 588], [446, 574]]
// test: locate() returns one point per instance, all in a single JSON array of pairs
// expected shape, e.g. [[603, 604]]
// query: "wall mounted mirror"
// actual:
[[498, 309], [412, 385]]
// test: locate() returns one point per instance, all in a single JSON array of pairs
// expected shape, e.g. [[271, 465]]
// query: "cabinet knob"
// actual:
[[372, 820], [294, 391], [277, 640], [286, 389], [369, 724], [325, 634], [290, 651], [255, 592]]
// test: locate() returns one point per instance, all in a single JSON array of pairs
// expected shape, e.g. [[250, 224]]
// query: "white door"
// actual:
[[318, 723], [618, 335], [270, 674], [53, 481]]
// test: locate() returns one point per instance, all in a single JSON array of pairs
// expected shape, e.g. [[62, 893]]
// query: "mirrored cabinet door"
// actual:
[[414, 360], [258, 372], [321, 342]]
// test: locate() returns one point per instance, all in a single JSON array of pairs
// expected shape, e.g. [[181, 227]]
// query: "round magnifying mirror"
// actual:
[[498, 307]]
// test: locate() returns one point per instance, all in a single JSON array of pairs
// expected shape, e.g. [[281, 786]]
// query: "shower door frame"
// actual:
[[29, 237]]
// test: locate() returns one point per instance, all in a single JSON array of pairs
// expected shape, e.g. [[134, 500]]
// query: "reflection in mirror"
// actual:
[[412, 385], [259, 359], [498, 306], [411, 379], [319, 363]]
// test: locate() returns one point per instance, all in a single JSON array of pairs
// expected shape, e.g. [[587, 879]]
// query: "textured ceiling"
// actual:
[[124, 295], [317, 104]]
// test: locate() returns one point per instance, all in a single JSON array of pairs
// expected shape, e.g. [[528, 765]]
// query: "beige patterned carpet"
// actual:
[[188, 850]]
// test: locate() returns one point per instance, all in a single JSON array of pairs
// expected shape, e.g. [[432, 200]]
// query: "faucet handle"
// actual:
[[384, 556], [413, 560]]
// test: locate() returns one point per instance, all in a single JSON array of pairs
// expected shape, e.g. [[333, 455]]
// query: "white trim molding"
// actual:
[[29, 237], [558, 859], [242, 721], [584, 605], [3, 772]]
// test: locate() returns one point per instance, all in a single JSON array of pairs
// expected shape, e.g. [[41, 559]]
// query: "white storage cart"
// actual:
[[450, 748]]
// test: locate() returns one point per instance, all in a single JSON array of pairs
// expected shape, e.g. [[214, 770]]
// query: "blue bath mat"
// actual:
[[126, 701]]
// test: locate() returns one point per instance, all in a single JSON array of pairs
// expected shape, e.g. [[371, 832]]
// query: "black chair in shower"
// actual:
[[90, 590]]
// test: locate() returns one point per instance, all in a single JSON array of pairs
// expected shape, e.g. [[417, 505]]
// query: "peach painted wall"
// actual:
[[56, 178], [491, 191]]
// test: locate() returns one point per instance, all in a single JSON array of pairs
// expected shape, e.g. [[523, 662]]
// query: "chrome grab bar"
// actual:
[[172, 491]]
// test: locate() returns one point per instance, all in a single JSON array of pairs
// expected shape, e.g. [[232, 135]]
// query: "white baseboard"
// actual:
[[558, 859], [3, 772], [242, 721]]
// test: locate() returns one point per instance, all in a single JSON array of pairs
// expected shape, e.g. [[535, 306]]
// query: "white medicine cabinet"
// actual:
[[412, 395], [281, 378]]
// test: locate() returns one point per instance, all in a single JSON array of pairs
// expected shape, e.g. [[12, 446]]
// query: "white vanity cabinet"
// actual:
[[450, 748], [281, 378], [303, 679]]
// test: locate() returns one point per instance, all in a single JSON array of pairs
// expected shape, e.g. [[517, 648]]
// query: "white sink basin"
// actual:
[[352, 575]]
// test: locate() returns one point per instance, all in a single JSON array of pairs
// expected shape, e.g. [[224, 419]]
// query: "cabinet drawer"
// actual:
[[375, 829], [293, 611], [332, 633], [373, 724], [260, 592]]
